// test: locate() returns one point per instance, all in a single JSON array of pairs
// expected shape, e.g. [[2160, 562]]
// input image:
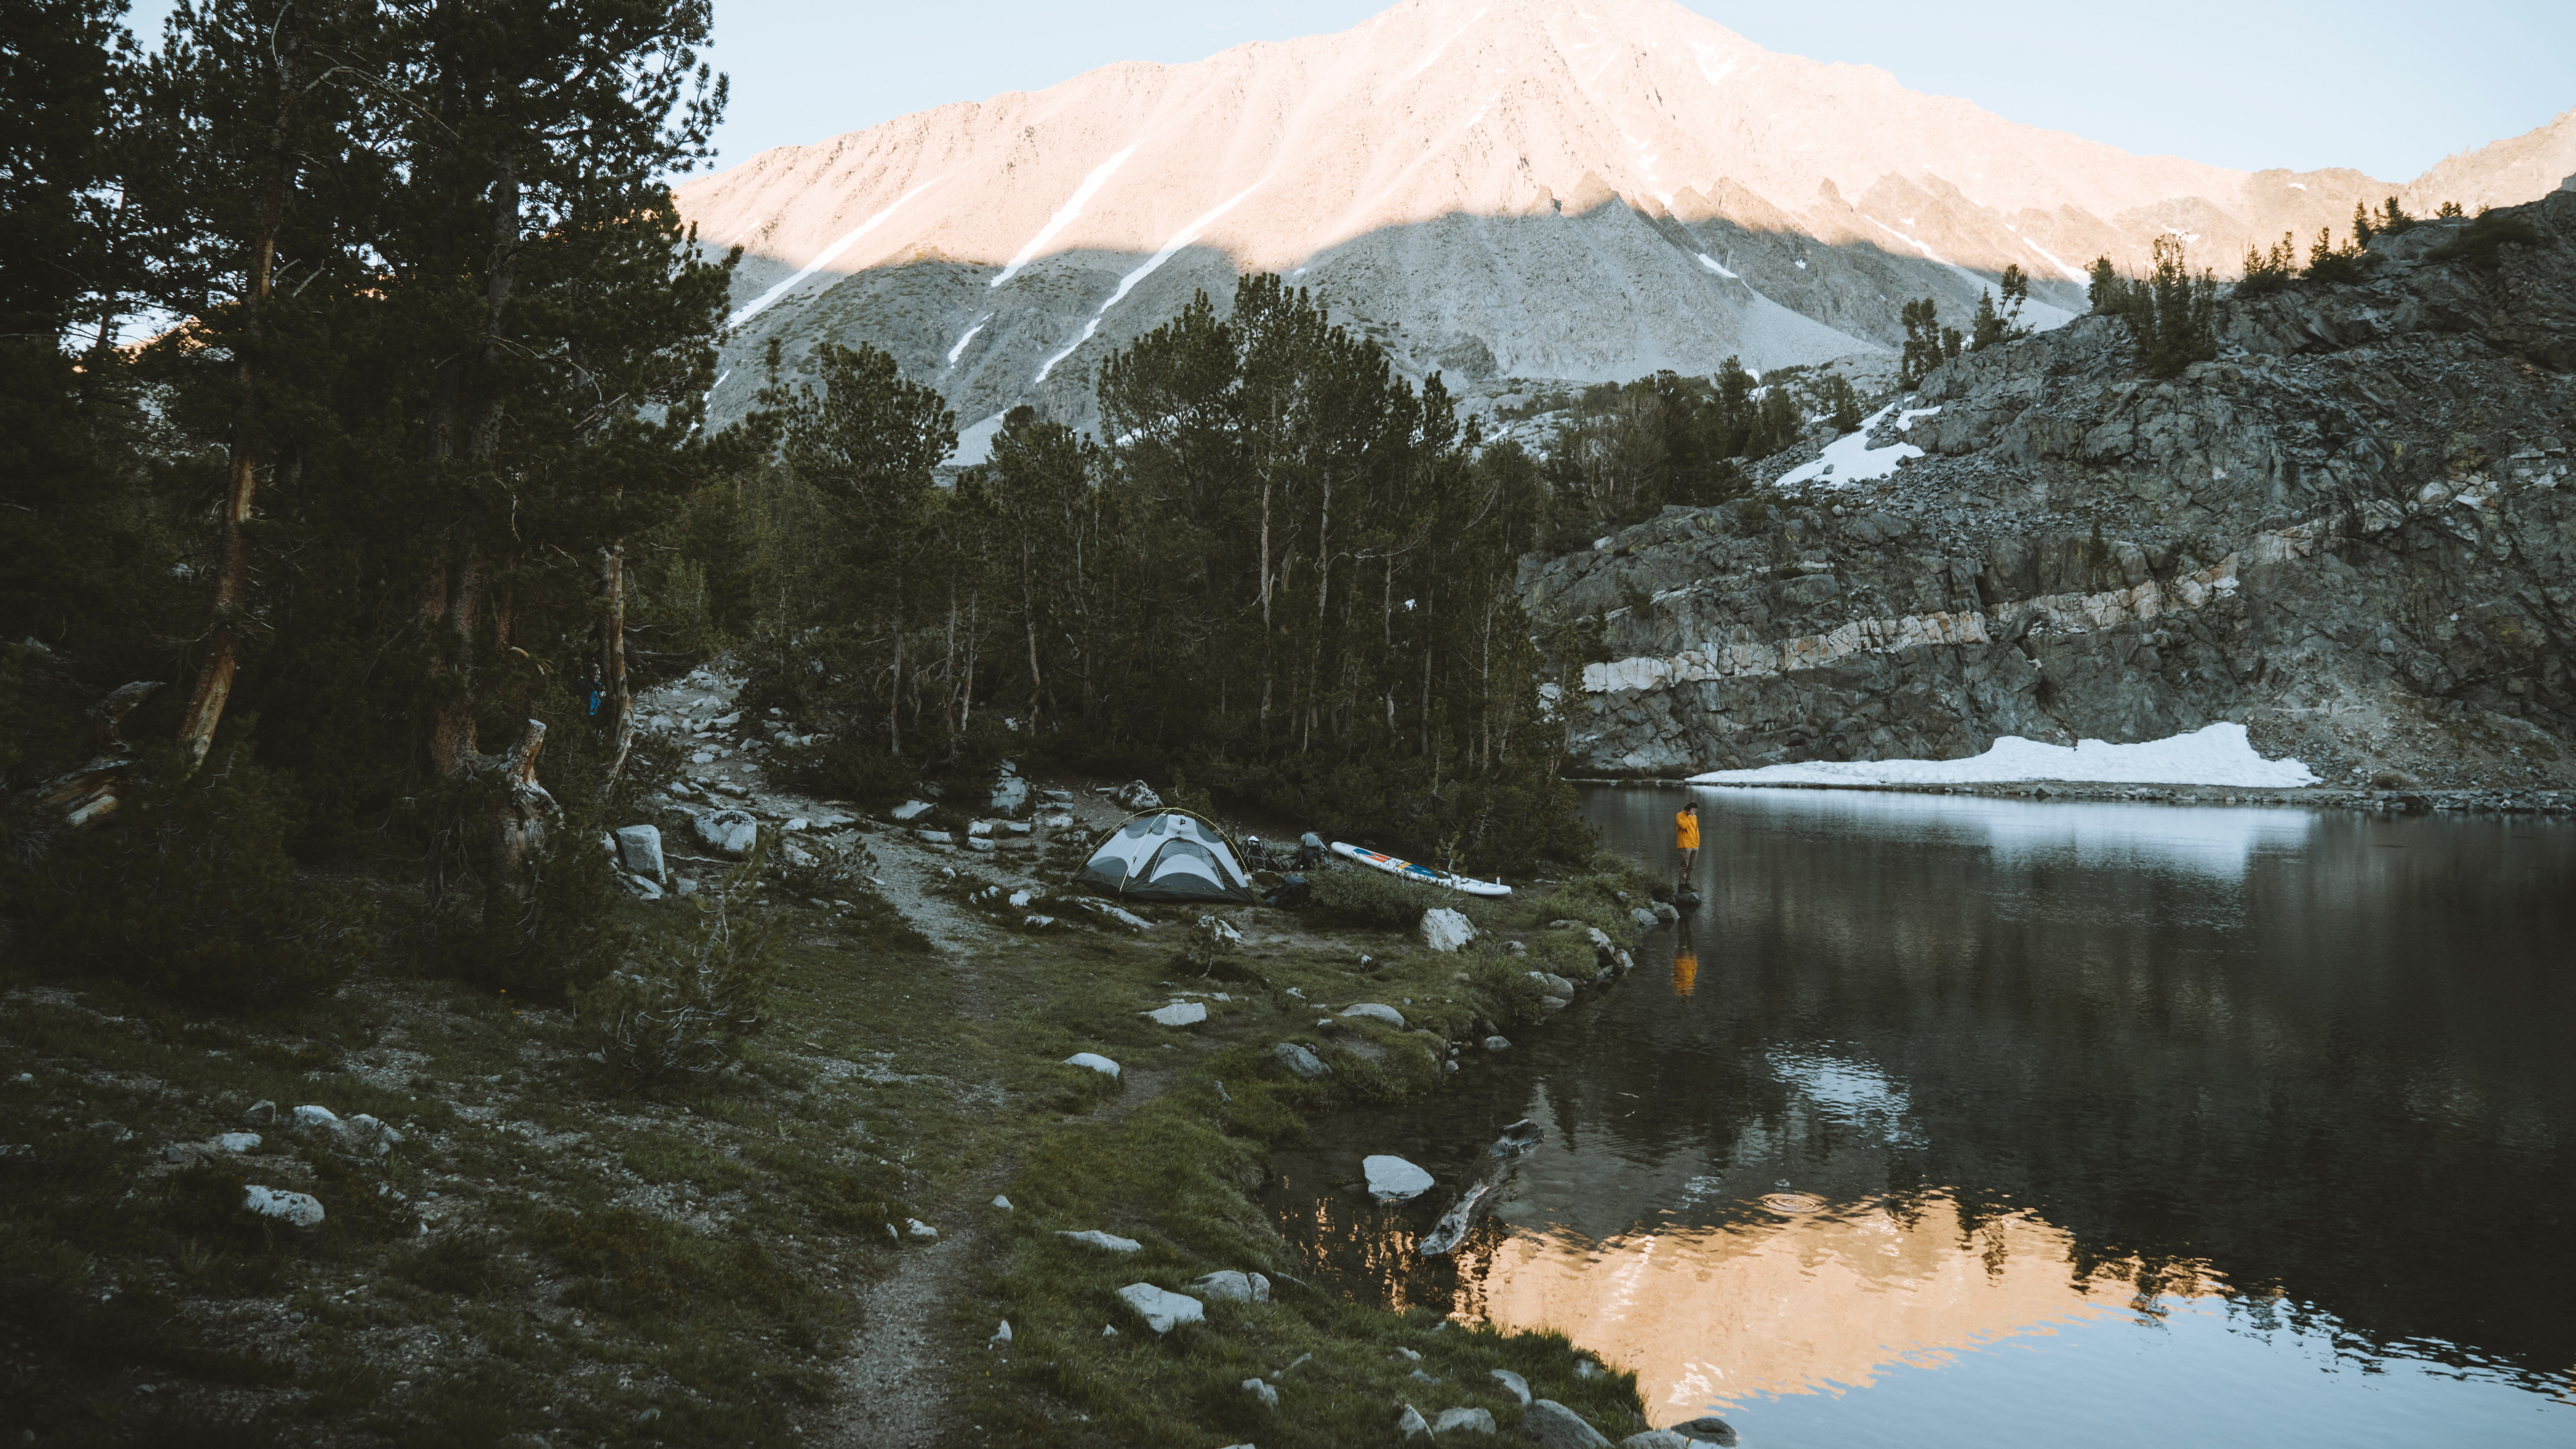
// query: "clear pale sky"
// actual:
[[2389, 88]]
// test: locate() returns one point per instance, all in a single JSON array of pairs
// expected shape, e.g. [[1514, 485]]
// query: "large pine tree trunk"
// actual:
[[215, 672], [612, 656]]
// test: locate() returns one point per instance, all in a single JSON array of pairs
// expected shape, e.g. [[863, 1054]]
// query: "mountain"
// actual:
[[1500, 191], [2356, 536]]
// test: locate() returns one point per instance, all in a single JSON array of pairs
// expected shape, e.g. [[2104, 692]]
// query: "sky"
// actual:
[[2388, 88]]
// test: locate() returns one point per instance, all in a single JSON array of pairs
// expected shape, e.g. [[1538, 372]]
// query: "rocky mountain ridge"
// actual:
[[2354, 532], [1494, 189]]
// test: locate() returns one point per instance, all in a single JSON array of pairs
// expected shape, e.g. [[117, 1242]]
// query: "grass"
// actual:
[[677, 1266]]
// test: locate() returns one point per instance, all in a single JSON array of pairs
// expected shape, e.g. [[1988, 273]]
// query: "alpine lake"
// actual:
[[1961, 1121]]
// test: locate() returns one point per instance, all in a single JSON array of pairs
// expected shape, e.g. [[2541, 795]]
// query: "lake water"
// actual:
[[1950, 1121]]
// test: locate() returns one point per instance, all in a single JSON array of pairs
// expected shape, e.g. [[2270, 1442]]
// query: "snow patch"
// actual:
[[960, 349], [975, 444], [1710, 262], [1850, 458], [1184, 237], [1065, 214], [2218, 755], [824, 258]]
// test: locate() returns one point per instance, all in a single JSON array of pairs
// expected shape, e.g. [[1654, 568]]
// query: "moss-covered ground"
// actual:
[[552, 1256]]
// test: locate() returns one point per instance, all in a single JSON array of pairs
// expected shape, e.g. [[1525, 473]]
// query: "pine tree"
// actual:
[[1986, 327], [2268, 271], [2361, 225]]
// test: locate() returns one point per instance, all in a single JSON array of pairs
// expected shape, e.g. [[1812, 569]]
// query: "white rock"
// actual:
[[1001, 1202], [1519, 1386], [982, 844], [1001, 1336], [1268, 1396], [1463, 1421], [1106, 1242], [702, 757], [798, 823], [732, 831], [1222, 929], [935, 837], [979, 827], [1498, 1043], [1656, 1439], [1298, 1060], [1020, 900], [911, 810], [1410, 1424], [1392, 1179], [1232, 1286], [639, 849], [1095, 1061], [312, 1116], [1010, 795], [298, 1208], [1179, 1013], [1446, 930], [1163, 1311], [1555, 1426], [641, 886], [919, 1229], [234, 1141], [1643, 917], [1376, 1011]]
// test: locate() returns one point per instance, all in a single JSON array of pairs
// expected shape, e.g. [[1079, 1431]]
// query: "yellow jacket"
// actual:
[[1685, 831]]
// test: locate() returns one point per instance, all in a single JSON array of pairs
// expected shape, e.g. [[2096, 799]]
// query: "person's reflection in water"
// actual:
[[1685, 959]]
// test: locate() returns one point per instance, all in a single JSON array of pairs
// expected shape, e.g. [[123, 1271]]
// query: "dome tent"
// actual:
[[1167, 855]]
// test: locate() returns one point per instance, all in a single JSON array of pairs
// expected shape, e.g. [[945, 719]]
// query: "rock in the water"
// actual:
[[1464, 1421], [1446, 930], [1498, 1043], [1094, 1060], [732, 831], [639, 849], [1655, 1439], [1268, 1396], [1163, 1311], [1376, 1011], [1554, 1426], [910, 810], [1106, 1242], [1392, 1179], [1300, 1061], [1410, 1424], [1518, 1386], [1179, 1013], [1232, 1286], [299, 1209], [1602, 945], [1643, 917], [1666, 912], [1707, 1429]]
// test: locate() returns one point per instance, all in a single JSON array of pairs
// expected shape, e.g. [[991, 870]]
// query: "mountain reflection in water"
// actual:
[[1960, 1121]]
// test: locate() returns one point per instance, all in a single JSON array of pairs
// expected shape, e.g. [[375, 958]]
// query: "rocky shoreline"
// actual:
[[2385, 802]]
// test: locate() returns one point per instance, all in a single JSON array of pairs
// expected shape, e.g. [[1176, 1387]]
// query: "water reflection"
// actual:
[[1953, 1113]]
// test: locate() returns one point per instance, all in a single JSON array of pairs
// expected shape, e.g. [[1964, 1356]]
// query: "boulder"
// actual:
[[314, 1117], [365, 1134], [1301, 1062], [732, 831], [1094, 1060], [639, 849], [1020, 900], [919, 1229], [1655, 1439], [979, 827], [1707, 1429], [1554, 1426], [262, 1113], [1179, 1013], [1498, 1043], [1001, 1336], [1268, 1396], [1136, 795], [980, 843], [1602, 945], [1392, 1179], [1464, 1421], [1446, 930], [934, 837], [1551, 984], [1644, 918], [1232, 1286], [910, 810], [234, 1141], [297, 1209], [1010, 795], [1513, 1383], [1163, 1311], [1666, 912], [1410, 1424], [1376, 1011], [641, 887], [1106, 1242]]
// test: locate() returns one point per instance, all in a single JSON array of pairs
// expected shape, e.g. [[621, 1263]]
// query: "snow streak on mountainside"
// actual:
[[1496, 190]]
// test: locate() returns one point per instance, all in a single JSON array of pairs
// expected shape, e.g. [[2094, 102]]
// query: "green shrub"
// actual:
[[188, 890], [2477, 245], [684, 1007], [1367, 897]]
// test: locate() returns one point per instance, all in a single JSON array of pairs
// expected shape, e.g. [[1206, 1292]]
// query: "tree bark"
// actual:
[[214, 686], [612, 655]]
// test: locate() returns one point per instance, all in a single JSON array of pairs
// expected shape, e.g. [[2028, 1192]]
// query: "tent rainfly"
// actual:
[[1165, 855]]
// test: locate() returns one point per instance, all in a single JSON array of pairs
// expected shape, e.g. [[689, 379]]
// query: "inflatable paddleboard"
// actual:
[[1380, 860]]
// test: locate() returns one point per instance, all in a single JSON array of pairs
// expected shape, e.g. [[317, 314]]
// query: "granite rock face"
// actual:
[[2354, 532]]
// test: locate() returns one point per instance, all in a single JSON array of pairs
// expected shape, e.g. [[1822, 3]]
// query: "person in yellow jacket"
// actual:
[[1686, 838]]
